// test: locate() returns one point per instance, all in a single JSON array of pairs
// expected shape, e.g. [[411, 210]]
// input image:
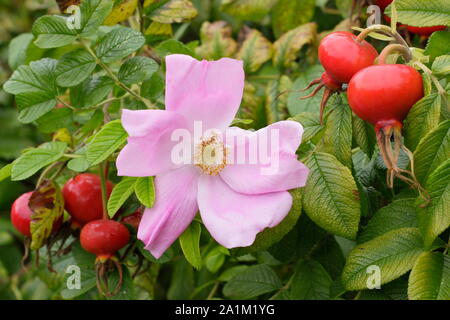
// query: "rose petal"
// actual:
[[205, 91], [175, 208], [234, 219]]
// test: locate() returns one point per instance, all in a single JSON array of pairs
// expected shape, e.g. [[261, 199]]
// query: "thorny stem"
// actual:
[[103, 174], [384, 29], [394, 48]]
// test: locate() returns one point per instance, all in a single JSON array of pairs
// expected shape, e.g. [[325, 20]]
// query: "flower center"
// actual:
[[211, 155]]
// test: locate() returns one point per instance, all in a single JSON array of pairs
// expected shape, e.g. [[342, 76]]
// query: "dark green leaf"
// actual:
[[190, 244]]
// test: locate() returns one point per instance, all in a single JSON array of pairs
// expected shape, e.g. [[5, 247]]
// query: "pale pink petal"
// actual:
[[175, 208], [205, 91], [234, 219], [274, 168], [149, 148]]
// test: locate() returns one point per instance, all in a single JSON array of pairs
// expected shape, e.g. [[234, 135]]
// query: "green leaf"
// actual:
[[311, 125], [53, 32], [422, 118], [145, 191], [251, 10], [173, 46], [430, 277], [93, 13], [74, 67], [33, 105], [396, 215], [110, 137], [190, 244], [275, 105], [78, 164], [47, 206], [166, 257], [91, 91], [394, 253], [310, 281], [217, 41], [270, 236], [216, 258], [255, 50], [432, 150], [294, 104], [337, 138], [32, 161], [288, 14], [153, 88], [421, 13], [441, 65], [137, 69], [435, 217], [17, 50], [175, 11], [55, 119], [5, 171], [364, 135], [330, 196], [119, 43], [438, 44], [120, 193], [254, 281]]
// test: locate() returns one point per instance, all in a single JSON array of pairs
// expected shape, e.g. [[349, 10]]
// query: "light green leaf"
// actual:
[[190, 244], [137, 69], [145, 191], [55, 119], [53, 32], [430, 277], [294, 104], [93, 13], [251, 10], [110, 137], [337, 138], [17, 50], [33, 105], [311, 281], [172, 46], [121, 192], [119, 43], [91, 91], [396, 215], [5, 171], [288, 14], [289, 44], [422, 118], [394, 253], [311, 125], [441, 65], [435, 217], [364, 135], [78, 164], [255, 50], [421, 13], [175, 11], [432, 150], [74, 67], [438, 44], [32, 161], [330, 196], [252, 282], [216, 258]]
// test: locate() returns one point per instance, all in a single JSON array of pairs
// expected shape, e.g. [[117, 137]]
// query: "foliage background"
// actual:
[[278, 40]]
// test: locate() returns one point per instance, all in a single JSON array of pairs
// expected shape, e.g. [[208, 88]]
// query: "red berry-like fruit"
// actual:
[[21, 214], [83, 197], [133, 219], [341, 55], [104, 238]]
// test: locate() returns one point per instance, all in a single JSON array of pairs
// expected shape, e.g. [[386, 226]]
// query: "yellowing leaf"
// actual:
[[255, 49], [63, 135], [47, 205], [121, 12], [174, 11], [216, 40]]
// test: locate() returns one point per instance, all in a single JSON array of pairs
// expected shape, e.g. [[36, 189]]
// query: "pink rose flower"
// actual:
[[236, 200]]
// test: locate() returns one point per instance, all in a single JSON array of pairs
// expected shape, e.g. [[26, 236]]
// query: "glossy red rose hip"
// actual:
[[384, 92], [21, 214], [83, 197], [104, 237]]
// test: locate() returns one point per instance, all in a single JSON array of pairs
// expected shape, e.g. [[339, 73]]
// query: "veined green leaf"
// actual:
[[311, 125], [190, 244], [121, 192], [17, 50], [311, 281], [330, 196], [32, 161], [430, 277], [74, 67], [119, 43], [394, 253], [364, 135], [421, 13], [294, 104], [53, 32], [137, 69], [110, 137], [145, 191], [441, 65], [216, 258], [92, 14], [438, 44], [91, 91], [55, 119]]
